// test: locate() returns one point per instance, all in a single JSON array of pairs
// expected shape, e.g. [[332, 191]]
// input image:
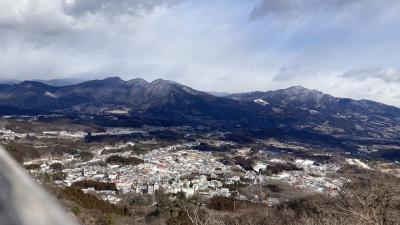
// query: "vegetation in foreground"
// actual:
[[370, 199]]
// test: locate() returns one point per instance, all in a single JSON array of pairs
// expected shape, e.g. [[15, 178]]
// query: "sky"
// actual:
[[347, 48]]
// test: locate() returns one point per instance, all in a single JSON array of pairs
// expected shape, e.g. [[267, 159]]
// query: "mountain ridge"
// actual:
[[297, 89], [291, 108]]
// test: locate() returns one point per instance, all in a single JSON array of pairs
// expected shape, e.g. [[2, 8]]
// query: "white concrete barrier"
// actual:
[[23, 201]]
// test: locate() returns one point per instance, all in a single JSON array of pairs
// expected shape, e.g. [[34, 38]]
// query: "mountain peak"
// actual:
[[297, 95], [300, 90], [303, 94], [162, 81], [32, 84], [164, 84], [113, 79], [138, 80]]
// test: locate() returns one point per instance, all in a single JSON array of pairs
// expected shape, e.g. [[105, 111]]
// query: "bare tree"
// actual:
[[372, 201]]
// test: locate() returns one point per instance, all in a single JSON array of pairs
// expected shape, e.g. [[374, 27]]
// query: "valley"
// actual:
[[137, 152], [129, 169]]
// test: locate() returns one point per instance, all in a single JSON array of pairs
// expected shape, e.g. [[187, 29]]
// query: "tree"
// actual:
[[107, 219], [56, 166], [76, 210], [373, 201]]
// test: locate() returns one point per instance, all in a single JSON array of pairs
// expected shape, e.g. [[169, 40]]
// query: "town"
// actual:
[[175, 168], [87, 167]]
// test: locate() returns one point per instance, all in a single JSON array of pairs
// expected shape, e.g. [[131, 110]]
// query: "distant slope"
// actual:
[[54, 82], [9, 81], [295, 108], [218, 94], [316, 111], [61, 82], [159, 99], [13, 111]]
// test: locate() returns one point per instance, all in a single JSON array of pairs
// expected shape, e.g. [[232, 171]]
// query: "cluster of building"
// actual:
[[8, 135], [176, 168], [164, 168], [314, 177]]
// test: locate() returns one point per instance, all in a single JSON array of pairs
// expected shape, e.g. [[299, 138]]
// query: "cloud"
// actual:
[[292, 8], [292, 72], [115, 7], [30, 17], [209, 45], [275, 7], [386, 75]]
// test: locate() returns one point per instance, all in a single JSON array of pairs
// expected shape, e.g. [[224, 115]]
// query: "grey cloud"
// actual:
[[114, 7], [300, 7], [31, 22], [272, 7], [205, 44], [176, 72], [387, 75], [287, 73]]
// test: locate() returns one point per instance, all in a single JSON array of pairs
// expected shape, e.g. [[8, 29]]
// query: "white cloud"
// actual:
[[291, 72], [387, 75], [210, 45]]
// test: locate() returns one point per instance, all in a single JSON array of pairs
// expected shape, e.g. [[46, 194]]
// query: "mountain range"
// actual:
[[294, 108], [54, 82]]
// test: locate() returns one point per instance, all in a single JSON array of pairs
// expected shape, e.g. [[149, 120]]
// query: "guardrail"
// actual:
[[23, 201]]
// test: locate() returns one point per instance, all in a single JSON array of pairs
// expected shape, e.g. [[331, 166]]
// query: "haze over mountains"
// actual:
[[169, 102], [54, 82]]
